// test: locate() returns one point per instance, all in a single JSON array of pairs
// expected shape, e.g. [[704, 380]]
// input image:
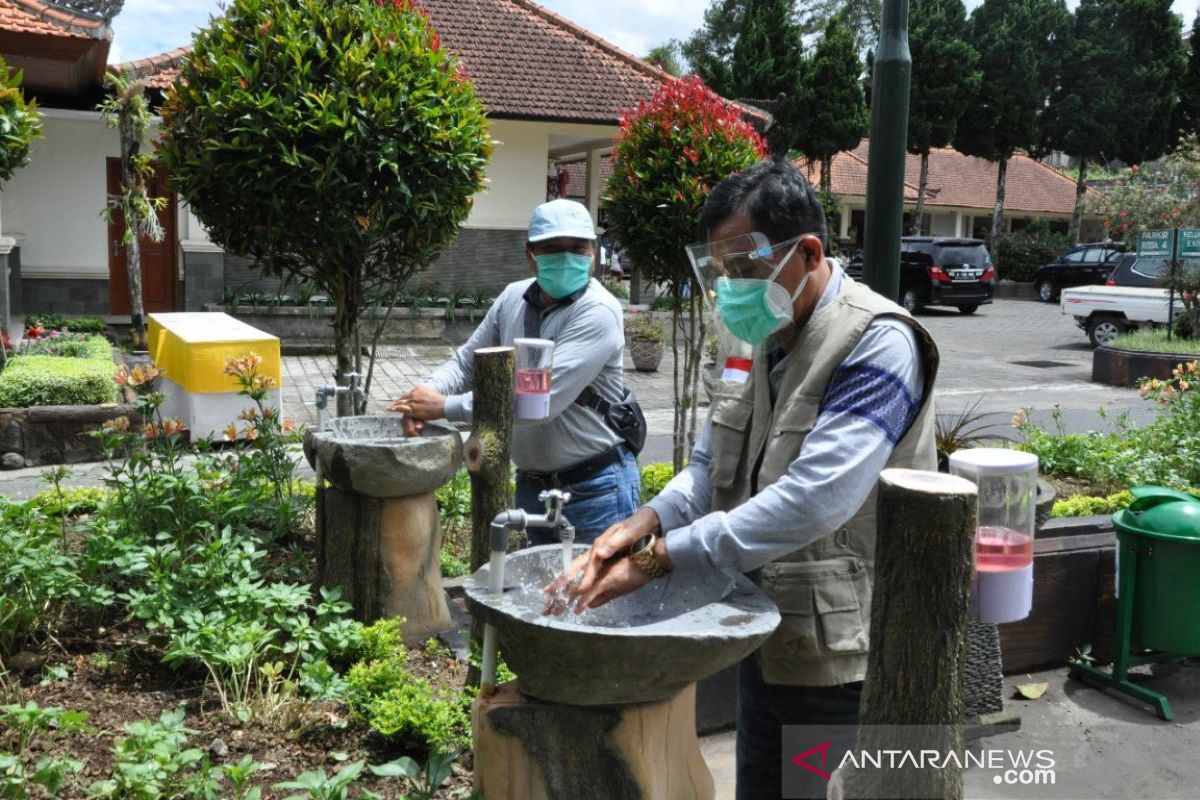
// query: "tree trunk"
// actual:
[[130, 145], [922, 185], [998, 209], [827, 176], [345, 324], [677, 431], [526, 749], [487, 459], [1080, 191], [919, 621]]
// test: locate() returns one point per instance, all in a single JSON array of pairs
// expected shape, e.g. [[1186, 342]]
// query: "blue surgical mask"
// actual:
[[754, 308], [563, 274]]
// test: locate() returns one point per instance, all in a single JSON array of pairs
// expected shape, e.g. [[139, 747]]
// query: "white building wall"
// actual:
[[942, 225], [52, 206], [516, 174]]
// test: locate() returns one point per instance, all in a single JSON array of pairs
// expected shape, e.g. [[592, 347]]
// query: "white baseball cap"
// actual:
[[561, 218]]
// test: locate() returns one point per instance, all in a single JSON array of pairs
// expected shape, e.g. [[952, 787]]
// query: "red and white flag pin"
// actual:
[[737, 370]]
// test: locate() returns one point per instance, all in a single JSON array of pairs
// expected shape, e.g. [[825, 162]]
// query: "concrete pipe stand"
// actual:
[[378, 535], [604, 702]]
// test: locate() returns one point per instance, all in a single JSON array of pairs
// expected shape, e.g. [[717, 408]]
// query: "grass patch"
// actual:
[[1156, 341]]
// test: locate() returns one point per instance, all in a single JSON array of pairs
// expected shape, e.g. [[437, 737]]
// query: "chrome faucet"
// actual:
[[505, 523], [352, 387]]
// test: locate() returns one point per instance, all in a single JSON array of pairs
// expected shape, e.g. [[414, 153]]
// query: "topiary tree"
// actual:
[[335, 142], [670, 152], [835, 112], [20, 123]]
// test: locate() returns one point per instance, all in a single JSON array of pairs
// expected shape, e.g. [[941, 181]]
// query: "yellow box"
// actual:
[[192, 348]]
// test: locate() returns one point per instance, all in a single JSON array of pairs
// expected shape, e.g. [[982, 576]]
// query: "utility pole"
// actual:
[[889, 134]]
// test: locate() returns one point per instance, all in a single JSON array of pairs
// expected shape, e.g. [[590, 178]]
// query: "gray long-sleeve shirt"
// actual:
[[870, 403], [588, 339]]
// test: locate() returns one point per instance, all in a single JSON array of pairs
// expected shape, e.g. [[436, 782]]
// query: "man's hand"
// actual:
[[604, 573], [418, 404]]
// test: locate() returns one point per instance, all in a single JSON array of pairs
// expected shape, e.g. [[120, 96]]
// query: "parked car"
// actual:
[[1105, 312], [1084, 265], [941, 271], [1133, 270]]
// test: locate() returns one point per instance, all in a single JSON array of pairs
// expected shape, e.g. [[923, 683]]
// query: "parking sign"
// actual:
[[1155, 244]]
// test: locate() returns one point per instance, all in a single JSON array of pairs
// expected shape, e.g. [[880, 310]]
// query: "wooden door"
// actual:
[[159, 259]]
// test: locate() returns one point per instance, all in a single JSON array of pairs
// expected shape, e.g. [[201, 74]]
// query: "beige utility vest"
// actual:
[[823, 590]]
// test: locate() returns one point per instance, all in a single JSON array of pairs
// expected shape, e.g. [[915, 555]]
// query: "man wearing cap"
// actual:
[[575, 449], [781, 484]]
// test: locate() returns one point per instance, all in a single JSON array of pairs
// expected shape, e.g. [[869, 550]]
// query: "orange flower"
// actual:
[[231, 432], [289, 425], [249, 415], [173, 426], [251, 434], [117, 424]]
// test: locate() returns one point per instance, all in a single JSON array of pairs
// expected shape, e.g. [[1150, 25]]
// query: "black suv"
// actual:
[[1133, 270], [1080, 266], [937, 271]]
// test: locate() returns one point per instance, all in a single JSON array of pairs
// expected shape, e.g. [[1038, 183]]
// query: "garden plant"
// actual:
[[338, 143], [175, 605], [670, 152]]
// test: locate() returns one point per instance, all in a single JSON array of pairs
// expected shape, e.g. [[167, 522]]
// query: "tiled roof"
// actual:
[[158, 71], [36, 17], [960, 181], [528, 62], [849, 175]]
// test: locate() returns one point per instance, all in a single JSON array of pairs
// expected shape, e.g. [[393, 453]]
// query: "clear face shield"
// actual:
[[738, 277]]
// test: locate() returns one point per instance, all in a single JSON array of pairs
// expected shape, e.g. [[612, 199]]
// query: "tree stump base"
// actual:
[[385, 556], [527, 749]]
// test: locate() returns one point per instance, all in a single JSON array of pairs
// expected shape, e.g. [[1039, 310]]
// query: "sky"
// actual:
[[148, 27]]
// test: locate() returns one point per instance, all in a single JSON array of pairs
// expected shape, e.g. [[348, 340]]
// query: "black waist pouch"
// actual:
[[625, 417]]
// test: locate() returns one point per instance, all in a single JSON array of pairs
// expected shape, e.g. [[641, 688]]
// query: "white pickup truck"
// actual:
[[1106, 312]]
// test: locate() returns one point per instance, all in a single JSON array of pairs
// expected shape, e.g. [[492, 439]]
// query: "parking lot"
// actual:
[[1007, 355]]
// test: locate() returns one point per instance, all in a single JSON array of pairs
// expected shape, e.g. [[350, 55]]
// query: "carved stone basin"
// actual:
[[371, 456], [640, 648]]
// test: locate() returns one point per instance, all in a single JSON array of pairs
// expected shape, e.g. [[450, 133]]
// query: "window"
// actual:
[[1075, 256], [1151, 267], [1092, 255]]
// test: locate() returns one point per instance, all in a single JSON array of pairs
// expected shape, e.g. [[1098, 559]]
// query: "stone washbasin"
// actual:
[[370, 455], [640, 648]]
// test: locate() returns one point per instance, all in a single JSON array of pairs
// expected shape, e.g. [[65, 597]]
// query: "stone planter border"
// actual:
[[1015, 290], [1116, 366], [40, 435]]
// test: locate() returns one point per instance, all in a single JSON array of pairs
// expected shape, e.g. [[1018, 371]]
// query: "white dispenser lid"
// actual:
[[992, 461], [534, 344]]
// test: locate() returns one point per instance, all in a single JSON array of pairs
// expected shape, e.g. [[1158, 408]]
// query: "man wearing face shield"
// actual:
[[781, 484], [576, 449]]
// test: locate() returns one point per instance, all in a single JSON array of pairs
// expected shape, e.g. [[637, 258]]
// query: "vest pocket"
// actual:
[[730, 417], [821, 608]]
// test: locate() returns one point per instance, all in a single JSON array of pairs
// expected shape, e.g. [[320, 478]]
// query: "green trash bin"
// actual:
[[1158, 607]]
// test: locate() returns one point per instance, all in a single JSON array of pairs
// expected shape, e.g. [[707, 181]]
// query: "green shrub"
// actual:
[[74, 500], [1019, 255], [1085, 506], [87, 325], [69, 345], [48, 380], [47, 320], [654, 478], [412, 713], [1156, 341]]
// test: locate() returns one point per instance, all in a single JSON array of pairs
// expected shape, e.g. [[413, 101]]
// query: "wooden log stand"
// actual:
[[526, 749], [919, 621], [385, 556]]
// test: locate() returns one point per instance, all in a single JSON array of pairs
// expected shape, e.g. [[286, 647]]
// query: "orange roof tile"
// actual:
[[528, 62], [960, 181], [36, 17], [159, 71]]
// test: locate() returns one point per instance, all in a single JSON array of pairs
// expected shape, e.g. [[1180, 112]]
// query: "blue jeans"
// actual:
[[762, 711], [604, 498]]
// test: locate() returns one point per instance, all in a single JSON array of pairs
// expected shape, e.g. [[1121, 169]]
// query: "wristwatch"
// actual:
[[642, 554]]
